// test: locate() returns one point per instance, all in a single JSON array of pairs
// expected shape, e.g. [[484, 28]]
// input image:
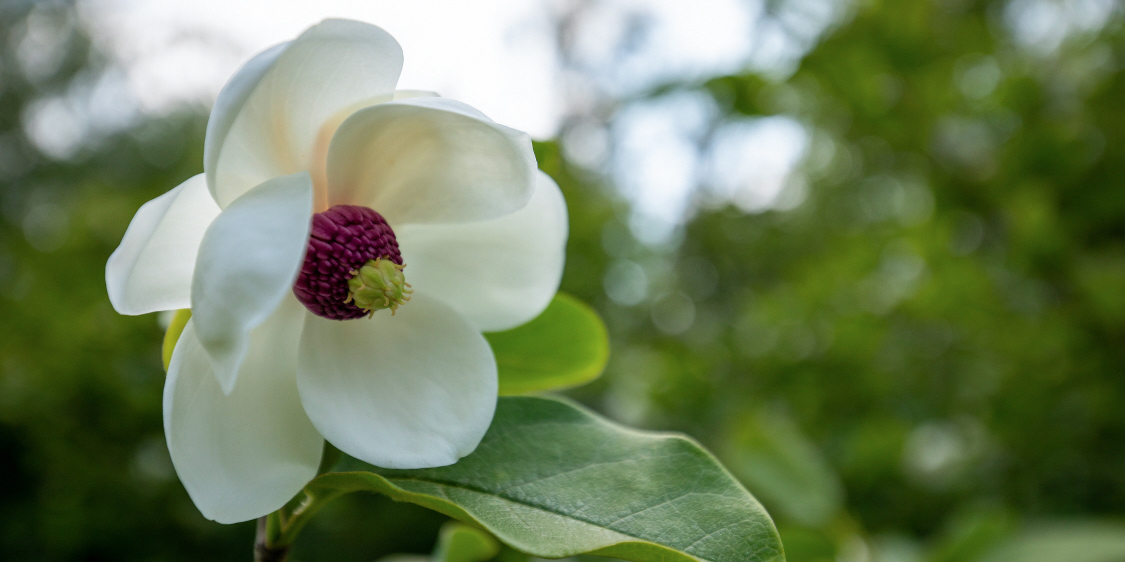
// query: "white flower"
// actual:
[[257, 381]]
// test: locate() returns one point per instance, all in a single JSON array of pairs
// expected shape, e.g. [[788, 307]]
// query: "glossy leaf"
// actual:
[[567, 345], [553, 480]]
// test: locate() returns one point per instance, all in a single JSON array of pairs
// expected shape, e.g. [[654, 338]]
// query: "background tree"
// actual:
[[917, 355]]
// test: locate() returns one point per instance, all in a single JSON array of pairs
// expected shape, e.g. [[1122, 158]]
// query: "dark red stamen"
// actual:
[[342, 239]]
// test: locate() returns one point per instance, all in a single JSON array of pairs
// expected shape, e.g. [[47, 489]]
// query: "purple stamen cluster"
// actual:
[[342, 239]]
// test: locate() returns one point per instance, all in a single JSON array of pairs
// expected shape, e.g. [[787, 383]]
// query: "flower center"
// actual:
[[352, 265]]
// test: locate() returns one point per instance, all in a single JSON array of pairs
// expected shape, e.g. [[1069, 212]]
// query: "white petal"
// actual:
[[151, 269], [229, 104], [245, 454], [248, 261], [413, 390], [407, 94], [498, 273], [427, 160], [312, 84]]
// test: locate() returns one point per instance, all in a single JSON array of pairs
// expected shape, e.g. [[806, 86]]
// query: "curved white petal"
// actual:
[[294, 106], [498, 273], [429, 160], [229, 103], [245, 454], [247, 263], [151, 269], [413, 390], [407, 94]]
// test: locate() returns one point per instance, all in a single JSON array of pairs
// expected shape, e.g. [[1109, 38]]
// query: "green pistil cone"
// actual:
[[377, 285]]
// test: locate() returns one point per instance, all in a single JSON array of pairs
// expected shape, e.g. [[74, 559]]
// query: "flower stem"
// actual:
[[266, 548], [278, 530]]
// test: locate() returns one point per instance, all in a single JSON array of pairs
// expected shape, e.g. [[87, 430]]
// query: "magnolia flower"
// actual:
[[341, 254]]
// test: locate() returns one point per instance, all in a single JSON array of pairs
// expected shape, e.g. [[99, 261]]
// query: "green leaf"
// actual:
[[1073, 541], [462, 543], [172, 334], [457, 543], [972, 532], [565, 346], [768, 452], [552, 479], [509, 555]]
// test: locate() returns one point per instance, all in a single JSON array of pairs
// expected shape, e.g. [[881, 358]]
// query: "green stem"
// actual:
[[328, 458], [303, 514], [266, 546], [278, 530]]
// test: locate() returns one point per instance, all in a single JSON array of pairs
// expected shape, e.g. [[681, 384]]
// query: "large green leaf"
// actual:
[[565, 346], [552, 479]]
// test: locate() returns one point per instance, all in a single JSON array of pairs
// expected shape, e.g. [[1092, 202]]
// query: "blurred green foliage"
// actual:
[[923, 361], [565, 346]]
